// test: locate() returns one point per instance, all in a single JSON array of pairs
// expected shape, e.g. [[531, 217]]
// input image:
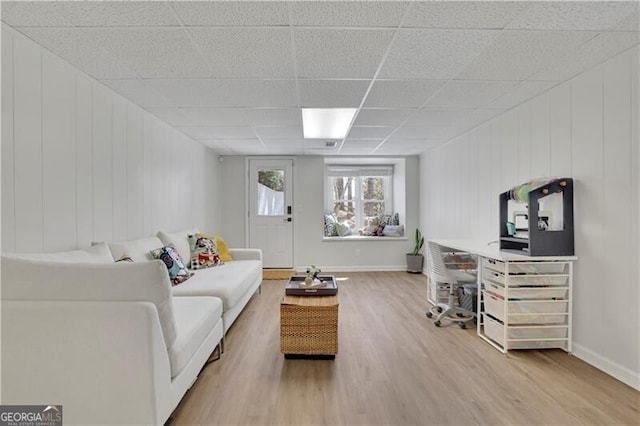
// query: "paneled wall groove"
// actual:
[[586, 128], [75, 160]]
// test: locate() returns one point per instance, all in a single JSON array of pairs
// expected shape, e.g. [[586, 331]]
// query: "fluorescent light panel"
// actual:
[[326, 123]]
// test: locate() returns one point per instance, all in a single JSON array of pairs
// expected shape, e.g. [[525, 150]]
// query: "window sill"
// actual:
[[363, 238]]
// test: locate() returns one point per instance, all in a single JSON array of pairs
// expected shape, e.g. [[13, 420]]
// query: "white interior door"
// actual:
[[271, 211]]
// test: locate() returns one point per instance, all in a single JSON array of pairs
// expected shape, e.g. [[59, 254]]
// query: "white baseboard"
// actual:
[[368, 268], [629, 377]]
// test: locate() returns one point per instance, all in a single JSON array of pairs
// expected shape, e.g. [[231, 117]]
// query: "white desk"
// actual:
[[524, 302], [492, 251]]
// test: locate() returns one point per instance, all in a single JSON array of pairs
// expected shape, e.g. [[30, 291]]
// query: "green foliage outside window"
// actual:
[[273, 179]]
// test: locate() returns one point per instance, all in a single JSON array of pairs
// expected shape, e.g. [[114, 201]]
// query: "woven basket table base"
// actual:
[[309, 325]]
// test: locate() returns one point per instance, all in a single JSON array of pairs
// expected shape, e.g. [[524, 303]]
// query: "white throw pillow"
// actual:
[[393, 231], [138, 250], [180, 241]]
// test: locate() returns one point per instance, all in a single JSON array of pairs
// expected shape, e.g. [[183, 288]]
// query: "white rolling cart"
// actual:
[[524, 302]]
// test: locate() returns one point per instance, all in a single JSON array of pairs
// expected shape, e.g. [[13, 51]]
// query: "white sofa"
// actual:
[[114, 343], [234, 282]]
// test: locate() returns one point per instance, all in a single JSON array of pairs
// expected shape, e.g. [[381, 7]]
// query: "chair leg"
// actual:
[[450, 311]]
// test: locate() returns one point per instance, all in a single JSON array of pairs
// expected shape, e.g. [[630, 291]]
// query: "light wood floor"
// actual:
[[394, 367]]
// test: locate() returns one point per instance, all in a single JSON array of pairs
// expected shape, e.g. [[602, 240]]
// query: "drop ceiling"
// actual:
[[235, 75]]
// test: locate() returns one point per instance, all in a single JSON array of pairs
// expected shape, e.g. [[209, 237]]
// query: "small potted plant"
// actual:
[[415, 259]]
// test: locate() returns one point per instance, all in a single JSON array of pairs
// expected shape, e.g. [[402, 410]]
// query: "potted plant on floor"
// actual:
[[415, 259]]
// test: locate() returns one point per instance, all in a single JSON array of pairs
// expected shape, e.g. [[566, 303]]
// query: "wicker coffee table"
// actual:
[[309, 327]]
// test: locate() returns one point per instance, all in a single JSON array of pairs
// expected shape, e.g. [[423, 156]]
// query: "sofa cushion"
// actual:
[[98, 253], [123, 281], [138, 250], [180, 241], [195, 318], [228, 282]]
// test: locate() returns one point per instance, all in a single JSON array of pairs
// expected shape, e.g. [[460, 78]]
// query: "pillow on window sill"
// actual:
[[343, 229], [393, 231], [330, 222]]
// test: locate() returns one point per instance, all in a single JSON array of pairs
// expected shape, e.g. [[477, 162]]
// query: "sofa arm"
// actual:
[[246, 254], [105, 362], [93, 282]]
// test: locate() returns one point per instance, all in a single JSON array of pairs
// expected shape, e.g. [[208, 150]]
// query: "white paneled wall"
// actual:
[[81, 164], [586, 128]]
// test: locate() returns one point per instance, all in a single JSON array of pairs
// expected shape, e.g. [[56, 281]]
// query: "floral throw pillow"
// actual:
[[204, 252], [169, 255]]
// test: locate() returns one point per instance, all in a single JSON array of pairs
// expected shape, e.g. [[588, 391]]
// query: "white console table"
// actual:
[[524, 302]]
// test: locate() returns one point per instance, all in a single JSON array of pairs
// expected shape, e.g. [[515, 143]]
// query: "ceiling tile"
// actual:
[[631, 22], [350, 150], [516, 55], [118, 13], [359, 146], [226, 93], [153, 52], [427, 132], [228, 13], [139, 92], [463, 14], [272, 132], [412, 147], [401, 94], [237, 146], [362, 143], [339, 53], [284, 142], [202, 116], [370, 132], [595, 51], [216, 116], [218, 146], [76, 47], [521, 93], [382, 117], [218, 132], [274, 116], [400, 141], [332, 93], [266, 52], [286, 146], [37, 14], [348, 14], [446, 117], [570, 15], [433, 54], [470, 94], [172, 116]]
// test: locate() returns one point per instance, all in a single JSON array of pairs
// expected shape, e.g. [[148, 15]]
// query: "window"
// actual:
[[357, 194]]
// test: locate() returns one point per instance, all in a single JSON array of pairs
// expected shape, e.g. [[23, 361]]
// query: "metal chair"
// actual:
[[452, 278]]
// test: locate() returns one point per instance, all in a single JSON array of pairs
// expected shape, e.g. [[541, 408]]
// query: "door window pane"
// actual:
[[270, 193]]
